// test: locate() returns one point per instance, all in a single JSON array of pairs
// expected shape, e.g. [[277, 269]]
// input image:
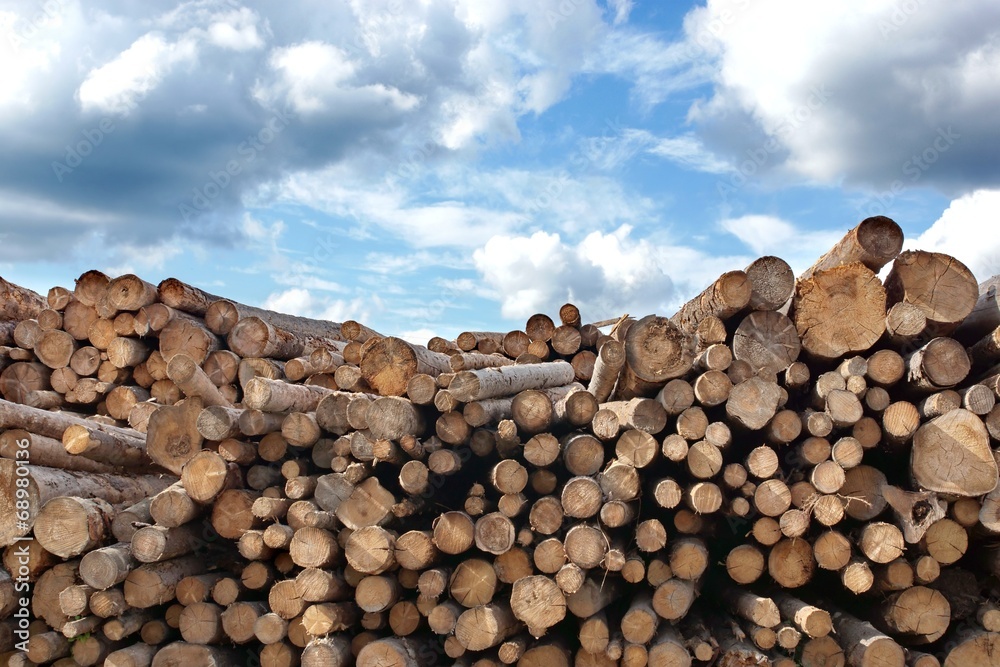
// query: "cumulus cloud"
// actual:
[[604, 274], [853, 114], [316, 77], [304, 303], [967, 230], [771, 235]]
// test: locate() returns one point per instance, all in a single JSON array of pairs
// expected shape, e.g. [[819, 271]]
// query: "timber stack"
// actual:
[[786, 471]]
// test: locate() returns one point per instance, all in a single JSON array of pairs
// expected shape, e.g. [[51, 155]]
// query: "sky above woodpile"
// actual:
[[436, 166]]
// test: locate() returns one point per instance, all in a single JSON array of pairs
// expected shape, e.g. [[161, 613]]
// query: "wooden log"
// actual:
[[172, 436], [791, 563], [485, 626], [332, 651], [900, 421], [985, 315], [863, 489], [183, 653], [607, 367], [767, 340], [68, 526], [881, 542], [277, 396], [753, 403], [137, 655], [111, 445], [389, 363], [864, 645], [188, 337], [55, 348], [155, 583], [772, 283], [839, 311], [745, 564], [940, 364], [509, 380], [397, 651], [729, 294], [656, 350], [875, 242], [905, 323], [150, 320], [218, 423], [222, 315], [45, 451], [193, 381], [108, 566], [78, 318], [951, 454], [19, 303], [918, 613], [21, 381], [915, 512], [255, 337], [813, 621], [940, 285], [184, 297], [44, 484]]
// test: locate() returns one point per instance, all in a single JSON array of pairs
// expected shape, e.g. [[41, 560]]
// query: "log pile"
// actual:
[[785, 472]]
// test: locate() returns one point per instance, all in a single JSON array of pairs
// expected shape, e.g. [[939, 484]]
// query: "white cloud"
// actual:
[[622, 9], [784, 72], [417, 336], [688, 151], [770, 235], [967, 230], [314, 77], [236, 30], [118, 85], [604, 274], [656, 68], [300, 301]]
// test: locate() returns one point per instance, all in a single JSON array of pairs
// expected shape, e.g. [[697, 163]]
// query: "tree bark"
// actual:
[[875, 242], [509, 380], [193, 381], [728, 295], [47, 483], [19, 303]]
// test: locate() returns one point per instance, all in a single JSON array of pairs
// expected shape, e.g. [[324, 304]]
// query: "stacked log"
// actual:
[[782, 472]]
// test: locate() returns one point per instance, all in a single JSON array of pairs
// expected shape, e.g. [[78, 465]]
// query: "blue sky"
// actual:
[[437, 166]]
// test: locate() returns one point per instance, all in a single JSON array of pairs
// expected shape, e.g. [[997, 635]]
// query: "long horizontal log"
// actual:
[[19, 303], [509, 380], [47, 483], [256, 337]]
